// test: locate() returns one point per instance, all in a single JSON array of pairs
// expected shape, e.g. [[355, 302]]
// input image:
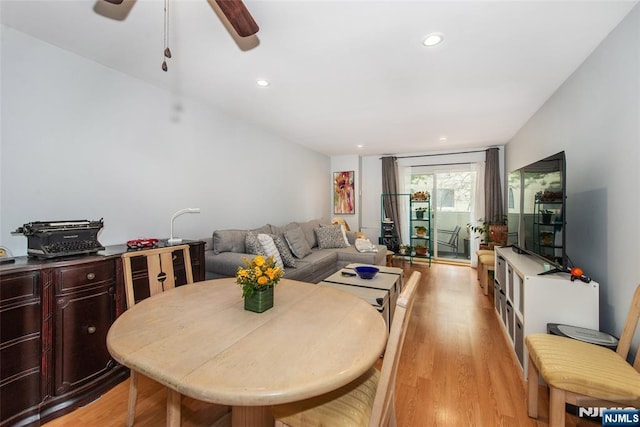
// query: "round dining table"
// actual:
[[199, 341]]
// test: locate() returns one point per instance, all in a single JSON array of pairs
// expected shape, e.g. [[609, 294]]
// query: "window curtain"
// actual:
[[493, 207], [477, 210], [390, 186], [404, 176]]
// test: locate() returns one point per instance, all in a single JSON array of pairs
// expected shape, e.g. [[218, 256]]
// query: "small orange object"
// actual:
[[576, 273]]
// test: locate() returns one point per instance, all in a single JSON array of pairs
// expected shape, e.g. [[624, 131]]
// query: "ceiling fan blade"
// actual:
[[238, 16], [114, 1]]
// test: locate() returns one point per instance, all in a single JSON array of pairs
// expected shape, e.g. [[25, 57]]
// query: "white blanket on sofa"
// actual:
[[365, 245]]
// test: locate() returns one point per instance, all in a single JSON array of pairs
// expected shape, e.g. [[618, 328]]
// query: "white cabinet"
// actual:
[[526, 301]]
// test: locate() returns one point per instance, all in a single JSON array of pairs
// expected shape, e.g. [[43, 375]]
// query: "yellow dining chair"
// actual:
[[367, 401], [161, 277], [583, 374]]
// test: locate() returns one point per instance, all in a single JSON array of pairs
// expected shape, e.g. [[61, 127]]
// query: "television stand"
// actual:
[[528, 295]]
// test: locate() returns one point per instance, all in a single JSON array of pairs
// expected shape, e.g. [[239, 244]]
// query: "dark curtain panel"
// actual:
[[493, 208], [390, 186]]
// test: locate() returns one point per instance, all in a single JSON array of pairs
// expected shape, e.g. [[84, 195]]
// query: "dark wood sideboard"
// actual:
[[54, 318]]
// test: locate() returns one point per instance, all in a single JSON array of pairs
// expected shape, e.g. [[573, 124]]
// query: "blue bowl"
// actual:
[[366, 271]]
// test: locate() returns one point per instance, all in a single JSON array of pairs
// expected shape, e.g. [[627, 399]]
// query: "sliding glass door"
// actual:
[[452, 189]]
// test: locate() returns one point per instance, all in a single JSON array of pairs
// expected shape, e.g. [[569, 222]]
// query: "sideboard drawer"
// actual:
[[20, 398], [20, 344], [79, 276], [20, 357], [19, 287], [18, 321]]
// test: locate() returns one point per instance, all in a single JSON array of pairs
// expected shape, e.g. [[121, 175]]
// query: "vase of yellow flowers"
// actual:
[[257, 279]]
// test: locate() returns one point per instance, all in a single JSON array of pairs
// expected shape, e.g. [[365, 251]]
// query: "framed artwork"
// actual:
[[344, 197]]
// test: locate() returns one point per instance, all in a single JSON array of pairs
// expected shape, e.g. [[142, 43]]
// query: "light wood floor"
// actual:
[[457, 369]]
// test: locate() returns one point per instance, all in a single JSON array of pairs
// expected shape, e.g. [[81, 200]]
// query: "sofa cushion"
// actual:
[[225, 263], [269, 248], [308, 228], [297, 242], [330, 236], [279, 231], [303, 271], [252, 244], [322, 259], [265, 229], [229, 241], [351, 255], [285, 253]]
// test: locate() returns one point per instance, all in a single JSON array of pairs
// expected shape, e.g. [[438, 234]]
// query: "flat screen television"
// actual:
[[537, 210]]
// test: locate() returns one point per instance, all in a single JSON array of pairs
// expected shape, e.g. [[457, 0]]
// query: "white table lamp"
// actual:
[[174, 240]]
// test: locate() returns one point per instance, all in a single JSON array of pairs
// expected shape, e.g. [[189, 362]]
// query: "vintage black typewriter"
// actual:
[[54, 239]]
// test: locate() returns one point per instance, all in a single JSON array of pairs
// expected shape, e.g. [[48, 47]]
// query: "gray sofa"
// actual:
[[226, 250]]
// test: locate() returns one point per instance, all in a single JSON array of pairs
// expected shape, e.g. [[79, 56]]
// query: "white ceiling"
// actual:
[[346, 72]]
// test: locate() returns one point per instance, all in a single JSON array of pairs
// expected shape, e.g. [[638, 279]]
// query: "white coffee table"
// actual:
[[388, 279], [378, 298]]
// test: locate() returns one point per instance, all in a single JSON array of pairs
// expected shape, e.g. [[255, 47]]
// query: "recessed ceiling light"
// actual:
[[360, 146], [443, 139], [262, 82], [433, 39]]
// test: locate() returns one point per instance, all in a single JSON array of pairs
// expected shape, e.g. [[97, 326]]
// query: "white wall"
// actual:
[[595, 118], [371, 191], [82, 141]]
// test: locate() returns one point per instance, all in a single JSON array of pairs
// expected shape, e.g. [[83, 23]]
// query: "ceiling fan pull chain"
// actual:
[[167, 52]]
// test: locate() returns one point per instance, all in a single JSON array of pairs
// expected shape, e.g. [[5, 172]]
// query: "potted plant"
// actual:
[[421, 231], [257, 279], [420, 213], [492, 233], [482, 229], [546, 216], [420, 196], [421, 250], [498, 231], [403, 249]]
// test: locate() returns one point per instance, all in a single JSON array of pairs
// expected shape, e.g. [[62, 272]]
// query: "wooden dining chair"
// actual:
[[370, 399], [583, 374], [161, 277]]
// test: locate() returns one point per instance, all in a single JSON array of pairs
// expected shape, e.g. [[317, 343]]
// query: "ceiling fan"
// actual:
[[234, 10]]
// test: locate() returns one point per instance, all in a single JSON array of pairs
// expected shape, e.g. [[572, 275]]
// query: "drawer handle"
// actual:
[[91, 276], [91, 329]]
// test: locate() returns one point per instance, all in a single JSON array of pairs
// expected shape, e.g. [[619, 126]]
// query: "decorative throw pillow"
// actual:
[[330, 237], [297, 242], [252, 244], [344, 234], [343, 229], [285, 252], [270, 249]]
